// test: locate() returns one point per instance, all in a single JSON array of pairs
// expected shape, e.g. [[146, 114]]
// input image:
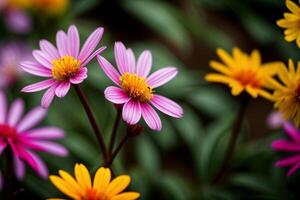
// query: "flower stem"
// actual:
[[9, 174], [114, 132], [233, 138], [92, 120]]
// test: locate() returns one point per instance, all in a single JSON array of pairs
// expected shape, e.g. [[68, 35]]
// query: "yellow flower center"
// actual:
[[65, 67], [136, 87], [248, 77]]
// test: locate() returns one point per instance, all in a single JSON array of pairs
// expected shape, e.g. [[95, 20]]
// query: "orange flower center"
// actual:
[[65, 68], [136, 87], [91, 194], [248, 77], [7, 131]]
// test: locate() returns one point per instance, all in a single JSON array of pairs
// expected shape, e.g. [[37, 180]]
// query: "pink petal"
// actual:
[[51, 147], [288, 161], [116, 95], [39, 86], [109, 70], [167, 106], [121, 57], [19, 168], [131, 61], [45, 133], [293, 169], [15, 112], [31, 119], [42, 58], [162, 76], [49, 49], [41, 168], [97, 52], [62, 89], [78, 78], [292, 131], [90, 44], [151, 117], [35, 69], [132, 112], [283, 145], [61, 43], [48, 96], [73, 41], [144, 64], [3, 107]]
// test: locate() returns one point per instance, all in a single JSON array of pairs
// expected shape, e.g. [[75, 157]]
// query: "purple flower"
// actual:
[[11, 54], [18, 134], [18, 21], [135, 89], [292, 146], [62, 66]]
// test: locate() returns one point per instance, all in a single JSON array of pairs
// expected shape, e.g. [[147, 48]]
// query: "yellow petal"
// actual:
[[236, 89], [291, 37], [291, 31], [255, 58], [217, 78], [225, 57], [83, 176], [292, 6], [237, 53], [283, 23], [71, 181], [291, 16], [283, 75], [220, 67], [63, 186], [55, 199], [252, 91], [118, 185], [102, 179], [271, 68], [126, 196]]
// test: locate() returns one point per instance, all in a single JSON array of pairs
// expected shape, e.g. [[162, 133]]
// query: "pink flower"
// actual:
[[292, 146], [62, 66], [136, 88], [18, 134]]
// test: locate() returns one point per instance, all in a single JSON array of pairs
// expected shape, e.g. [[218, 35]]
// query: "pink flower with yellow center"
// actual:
[[18, 134], [136, 88], [62, 66]]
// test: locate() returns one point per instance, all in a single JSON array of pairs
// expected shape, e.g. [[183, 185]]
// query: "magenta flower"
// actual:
[[136, 89], [292, 146], [62, 66], [18, 134]]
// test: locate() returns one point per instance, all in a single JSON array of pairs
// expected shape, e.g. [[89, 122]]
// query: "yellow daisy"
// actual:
[[291, 22], [243, 72], [103, 188], [287, 92]]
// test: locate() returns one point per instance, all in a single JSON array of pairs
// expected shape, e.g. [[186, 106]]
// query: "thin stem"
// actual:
[[114, 132], [9, 174], [233, 138], [92, 120], [115, 153]]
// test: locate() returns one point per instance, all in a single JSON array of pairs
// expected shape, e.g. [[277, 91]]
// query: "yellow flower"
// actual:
[[243, 72], [103, 188], [51, 7], [291, 22], [287, 92]]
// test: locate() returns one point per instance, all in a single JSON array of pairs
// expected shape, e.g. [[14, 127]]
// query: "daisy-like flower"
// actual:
[[243, 72], [291, 22], [136, 89], [287, 92], [292, 145], [18, 134], [102, 188], [62, 66]]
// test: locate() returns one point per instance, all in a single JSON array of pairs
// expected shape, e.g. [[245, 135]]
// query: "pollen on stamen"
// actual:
[[65, 67], [136, 87]]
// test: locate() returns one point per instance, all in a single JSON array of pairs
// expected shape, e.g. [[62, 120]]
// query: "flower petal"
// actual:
[[83, 176], [19, 167], [151, 117], [48, 96], [45, 133], [49, 49], [62, 89], [127, 196], [50, 147], [294, 169], [118, 185], [132, 112], [42, 58], [90, 44], [64, 187], [116, 95], [35, 69], [102, 179], [61, 43], [39, 86], [31, 119], [97, 52], [292, 131], [73, 41], [3, 107], [15, 112], [109, 70], [162, 76], [121, 57], [284, 145], [288, 161], [81, 76], [167, 106], [41, 169], [131, 61], [144, 64]]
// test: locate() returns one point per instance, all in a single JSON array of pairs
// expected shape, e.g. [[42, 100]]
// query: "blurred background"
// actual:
[[180, 161]]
